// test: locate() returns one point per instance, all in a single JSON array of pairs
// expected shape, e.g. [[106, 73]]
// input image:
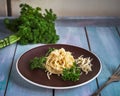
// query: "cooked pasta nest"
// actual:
[[59, 59]]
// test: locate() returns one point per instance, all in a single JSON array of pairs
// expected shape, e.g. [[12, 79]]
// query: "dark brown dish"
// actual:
[[38, 77]]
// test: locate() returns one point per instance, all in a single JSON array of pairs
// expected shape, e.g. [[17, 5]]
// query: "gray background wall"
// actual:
[[67, 7]]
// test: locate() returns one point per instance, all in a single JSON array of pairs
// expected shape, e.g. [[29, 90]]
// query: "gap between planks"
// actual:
[[53, 91], [117, 30], [10, 69], [87, 37]]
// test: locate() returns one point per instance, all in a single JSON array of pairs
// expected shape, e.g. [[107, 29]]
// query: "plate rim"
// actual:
[[51, 87]]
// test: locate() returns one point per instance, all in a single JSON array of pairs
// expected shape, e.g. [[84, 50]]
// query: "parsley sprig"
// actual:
[[32, 26], [39, 62], [72, 74]]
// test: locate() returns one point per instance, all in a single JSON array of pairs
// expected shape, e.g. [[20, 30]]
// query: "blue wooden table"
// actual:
[[94, 36]]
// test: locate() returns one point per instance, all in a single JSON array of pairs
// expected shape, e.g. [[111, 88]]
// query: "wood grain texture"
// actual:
[[77, 37], [19, 87], [105, 43], [88, 21], [72, 35], [6, 58]]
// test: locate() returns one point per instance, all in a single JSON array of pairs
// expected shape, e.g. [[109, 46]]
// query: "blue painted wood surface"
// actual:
[[75, 36], [103, 41], [19, 87], [6, 59]]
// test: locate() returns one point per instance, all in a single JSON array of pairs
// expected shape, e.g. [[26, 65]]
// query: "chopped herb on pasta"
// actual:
[[62, 63]]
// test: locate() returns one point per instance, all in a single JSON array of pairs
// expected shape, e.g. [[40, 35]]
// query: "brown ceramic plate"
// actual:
[[38, 77]]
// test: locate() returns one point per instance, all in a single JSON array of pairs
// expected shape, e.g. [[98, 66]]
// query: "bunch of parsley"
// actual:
[[32, 26]]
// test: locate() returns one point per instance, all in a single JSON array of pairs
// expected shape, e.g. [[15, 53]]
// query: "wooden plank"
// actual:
[[6, 57], [19, 87], [86, 21], [16, 83], [71, 35], [14, 86], [68, 35], [75, 36], [105, 43]]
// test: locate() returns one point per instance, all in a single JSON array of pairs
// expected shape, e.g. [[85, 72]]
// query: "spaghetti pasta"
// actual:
[[84, 63], [58, 60]]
